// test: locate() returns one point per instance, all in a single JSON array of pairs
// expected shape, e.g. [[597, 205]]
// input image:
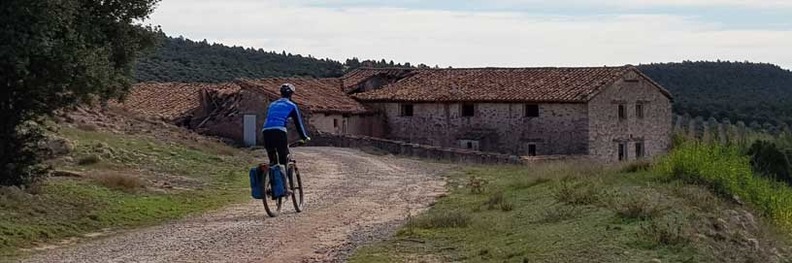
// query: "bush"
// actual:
[[577, 193], [767, 158], [637, 207], [667, 231], [20, 156], [728, 173]]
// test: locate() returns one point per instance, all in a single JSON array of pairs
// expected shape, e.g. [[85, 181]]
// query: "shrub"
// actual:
[[728, 172], [637, 207], [577, 193], [667, 231], [768, 159], [477, 185]]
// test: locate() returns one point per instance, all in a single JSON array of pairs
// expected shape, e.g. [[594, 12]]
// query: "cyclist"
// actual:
[[274, 131]]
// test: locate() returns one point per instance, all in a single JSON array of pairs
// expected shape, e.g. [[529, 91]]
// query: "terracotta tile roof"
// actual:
[[169, 100], [355, 77], [562, 85], [315, 95]]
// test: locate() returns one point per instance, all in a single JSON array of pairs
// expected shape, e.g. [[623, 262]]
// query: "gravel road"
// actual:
[[353, 198]]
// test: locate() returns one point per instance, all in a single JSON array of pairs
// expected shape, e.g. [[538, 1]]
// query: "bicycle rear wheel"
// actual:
[[295, 183], [272, 206]]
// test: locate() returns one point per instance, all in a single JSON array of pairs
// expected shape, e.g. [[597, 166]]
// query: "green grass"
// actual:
[[728, 172], [564, 212], [206, 175]]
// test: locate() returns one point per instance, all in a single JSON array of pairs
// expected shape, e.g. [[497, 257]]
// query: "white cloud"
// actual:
[[467, 39], [656, 3]]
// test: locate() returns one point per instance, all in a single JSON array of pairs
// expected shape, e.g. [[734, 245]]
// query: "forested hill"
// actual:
[[758, 94], [184, 60]]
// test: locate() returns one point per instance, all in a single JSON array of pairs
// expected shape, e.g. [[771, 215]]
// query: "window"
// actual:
[[469, 144], [335, 123], [531, 110], [468, 110], [407, 110], [639, 150], [622, 112], [622, 152], [639, 111], [532, 149]]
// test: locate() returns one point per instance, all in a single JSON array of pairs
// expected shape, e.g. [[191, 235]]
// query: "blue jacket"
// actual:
[[278, 116]]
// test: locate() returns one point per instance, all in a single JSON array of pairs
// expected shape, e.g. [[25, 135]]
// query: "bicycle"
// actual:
[[295, 188]]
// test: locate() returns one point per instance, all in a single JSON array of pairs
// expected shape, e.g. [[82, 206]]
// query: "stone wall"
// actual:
[[560, 129], [417, 150], [607, 130], [364, 124]]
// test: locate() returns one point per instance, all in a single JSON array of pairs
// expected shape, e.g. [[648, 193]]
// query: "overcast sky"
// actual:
[[507, 33]]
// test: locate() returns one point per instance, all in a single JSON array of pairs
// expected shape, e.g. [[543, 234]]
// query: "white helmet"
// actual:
[[287, 89]]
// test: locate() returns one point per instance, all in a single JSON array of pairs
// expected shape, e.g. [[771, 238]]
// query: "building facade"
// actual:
[[610, 114]]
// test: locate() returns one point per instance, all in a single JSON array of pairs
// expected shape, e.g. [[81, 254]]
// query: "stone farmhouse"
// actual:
[[608, 113]]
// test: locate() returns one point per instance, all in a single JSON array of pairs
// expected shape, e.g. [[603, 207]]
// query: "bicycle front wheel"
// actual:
[[271, 205], [295, 183]]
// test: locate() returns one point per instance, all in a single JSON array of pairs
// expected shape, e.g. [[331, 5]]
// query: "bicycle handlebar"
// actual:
[[297, 143]]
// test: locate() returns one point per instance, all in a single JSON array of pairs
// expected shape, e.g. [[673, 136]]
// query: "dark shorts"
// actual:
[[277, 144]]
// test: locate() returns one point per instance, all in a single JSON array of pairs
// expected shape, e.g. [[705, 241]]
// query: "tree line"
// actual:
[[184, 60], [758, 94]]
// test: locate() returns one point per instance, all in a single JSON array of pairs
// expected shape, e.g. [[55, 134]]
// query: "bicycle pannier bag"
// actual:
[[278, 179], [255, 183]]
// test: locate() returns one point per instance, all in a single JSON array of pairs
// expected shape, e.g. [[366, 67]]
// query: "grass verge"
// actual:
[[128, 181], [578, 212]]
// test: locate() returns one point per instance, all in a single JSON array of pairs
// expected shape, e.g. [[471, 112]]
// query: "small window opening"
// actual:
[[622, 112], [335, 123], [468, 110], [532, 149], [639, 150], [469, 144], [407, 110], [622, 152], [531, 110], [639, 111]]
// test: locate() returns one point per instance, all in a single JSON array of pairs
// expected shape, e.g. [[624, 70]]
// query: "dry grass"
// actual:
[[671, 230], [637, 166], [555, 214], [441, 220], [119, 181], [498, 201], [577, 193], [639, 207]]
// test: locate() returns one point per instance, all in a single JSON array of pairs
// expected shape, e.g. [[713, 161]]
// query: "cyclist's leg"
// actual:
[[282, 148], [270, 144]]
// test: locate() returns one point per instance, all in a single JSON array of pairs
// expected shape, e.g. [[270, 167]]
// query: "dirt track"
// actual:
[[352, 198]]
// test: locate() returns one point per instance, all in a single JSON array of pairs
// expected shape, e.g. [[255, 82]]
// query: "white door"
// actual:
[[250, 130]]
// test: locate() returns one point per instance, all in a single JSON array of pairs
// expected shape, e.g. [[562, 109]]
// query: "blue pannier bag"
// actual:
[[255, 183], [277, 179]]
